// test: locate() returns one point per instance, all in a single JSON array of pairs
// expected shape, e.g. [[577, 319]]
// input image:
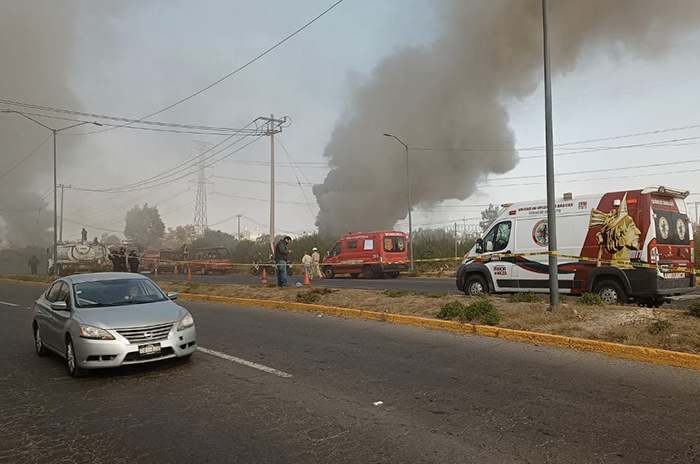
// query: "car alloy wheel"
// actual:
[[38, 342], [73, 368]]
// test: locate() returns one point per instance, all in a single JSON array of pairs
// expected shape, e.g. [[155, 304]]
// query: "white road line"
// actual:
[[8, 304], [257, 366]]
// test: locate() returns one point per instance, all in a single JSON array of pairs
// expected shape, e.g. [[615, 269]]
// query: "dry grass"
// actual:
[[622, 324]]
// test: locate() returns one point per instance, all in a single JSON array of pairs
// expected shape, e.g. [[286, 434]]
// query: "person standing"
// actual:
[[83, 234], [306, 261], [113, 256], [281, 258], [122, 260], [34, 264], [133, 262], [316, 264]]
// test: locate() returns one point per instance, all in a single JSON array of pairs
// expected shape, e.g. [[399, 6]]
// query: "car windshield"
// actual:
[[117, 292]]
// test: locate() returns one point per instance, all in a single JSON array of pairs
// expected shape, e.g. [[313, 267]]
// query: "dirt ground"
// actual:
[[629, 324]]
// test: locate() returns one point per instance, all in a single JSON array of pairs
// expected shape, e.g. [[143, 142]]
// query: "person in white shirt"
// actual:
[[316, 264], [306, 261]]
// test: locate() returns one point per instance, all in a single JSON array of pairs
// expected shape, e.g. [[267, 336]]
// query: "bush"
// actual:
[[482, 296], [476, 310], [308, 297], [526, 297], [591, 299], [271, 285], [492, 317], [694, 309], [191, 287], [451, 310], [659, 327]]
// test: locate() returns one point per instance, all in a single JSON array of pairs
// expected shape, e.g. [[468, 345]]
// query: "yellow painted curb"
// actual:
[[25, 282], [636, 353]]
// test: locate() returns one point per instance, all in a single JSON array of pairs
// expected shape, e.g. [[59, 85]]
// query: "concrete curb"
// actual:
[[617, 350]]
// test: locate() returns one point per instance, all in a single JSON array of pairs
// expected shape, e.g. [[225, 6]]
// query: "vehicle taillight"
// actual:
[[692, 251], [653, 252]]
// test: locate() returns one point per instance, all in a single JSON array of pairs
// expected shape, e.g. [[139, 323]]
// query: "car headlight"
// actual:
[[186, 322], [95, 333]]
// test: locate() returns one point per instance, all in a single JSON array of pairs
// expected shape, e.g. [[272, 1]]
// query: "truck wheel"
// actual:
[[610, 291], [255, 270], [474, 285], [328, 272], [367, 272]]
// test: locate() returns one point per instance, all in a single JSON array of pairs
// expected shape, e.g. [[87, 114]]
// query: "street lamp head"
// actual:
[[97, 123], [6, 111], [386, 134]]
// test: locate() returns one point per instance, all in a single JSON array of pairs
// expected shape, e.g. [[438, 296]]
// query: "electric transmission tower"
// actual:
[[200, 209]]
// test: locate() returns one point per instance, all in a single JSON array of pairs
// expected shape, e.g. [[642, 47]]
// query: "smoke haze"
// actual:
[[454, 94]]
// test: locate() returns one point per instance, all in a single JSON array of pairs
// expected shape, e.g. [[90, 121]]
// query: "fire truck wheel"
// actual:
[[475, 284], [354, 275], [367, 272], [611, 292], [255, 270], [328, 272]]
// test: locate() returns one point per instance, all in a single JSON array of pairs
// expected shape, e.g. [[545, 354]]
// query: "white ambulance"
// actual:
[[628, 246]]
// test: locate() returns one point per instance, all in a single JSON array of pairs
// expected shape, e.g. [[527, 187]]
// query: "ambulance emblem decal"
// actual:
[[664, 228], [540, 233], [681, 229]]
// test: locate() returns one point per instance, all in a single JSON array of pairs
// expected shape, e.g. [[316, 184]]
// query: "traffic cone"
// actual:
[[189, 273], [306, 277], [264, 279], [175, 269]]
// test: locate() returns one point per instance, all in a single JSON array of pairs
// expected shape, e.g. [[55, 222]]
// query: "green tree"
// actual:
[[214, 238], [109, 240], [144, 226], [488, 216], [174, 238]]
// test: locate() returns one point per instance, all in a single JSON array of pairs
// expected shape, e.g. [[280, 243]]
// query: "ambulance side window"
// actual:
[[497, 239], [336, 249]]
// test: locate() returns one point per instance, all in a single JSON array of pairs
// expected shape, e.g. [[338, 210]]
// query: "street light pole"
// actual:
[[55, 132], [408, 195], [551, 193]]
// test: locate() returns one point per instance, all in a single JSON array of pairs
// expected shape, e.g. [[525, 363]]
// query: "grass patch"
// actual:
[[391, 293], [308, 297], [590, 299], [694, 309], [525, 297], [481, 311], [659, 327], [451, 310]]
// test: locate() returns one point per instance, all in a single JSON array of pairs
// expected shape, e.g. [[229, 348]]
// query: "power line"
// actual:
[[232, 73], [259, 181], [26, 157]]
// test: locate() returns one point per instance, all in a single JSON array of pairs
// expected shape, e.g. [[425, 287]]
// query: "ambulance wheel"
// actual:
[[367, 272], [328, 272], [354, 275], [611, 292], [475, 284]]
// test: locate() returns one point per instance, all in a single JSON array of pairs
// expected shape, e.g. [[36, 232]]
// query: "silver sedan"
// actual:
[[109, 320]]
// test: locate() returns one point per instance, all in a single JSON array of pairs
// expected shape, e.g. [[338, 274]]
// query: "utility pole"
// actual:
[[55, 132], [274, 126], [38, 213], [408, 198], [62, 187], [455, 239], [239, 216], [551, 193]]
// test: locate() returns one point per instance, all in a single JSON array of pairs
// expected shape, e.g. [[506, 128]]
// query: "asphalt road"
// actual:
[[444, 398]]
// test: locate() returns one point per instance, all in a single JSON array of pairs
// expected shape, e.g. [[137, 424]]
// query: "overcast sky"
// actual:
[[131, 58]]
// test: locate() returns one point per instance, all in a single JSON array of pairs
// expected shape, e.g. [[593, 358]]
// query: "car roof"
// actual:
[[98, 276]]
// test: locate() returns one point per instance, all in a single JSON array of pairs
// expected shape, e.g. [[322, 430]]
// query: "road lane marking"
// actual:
[[254, 365], [8, 304]]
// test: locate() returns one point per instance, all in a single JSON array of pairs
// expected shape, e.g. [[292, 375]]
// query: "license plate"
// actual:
[[146, 350]]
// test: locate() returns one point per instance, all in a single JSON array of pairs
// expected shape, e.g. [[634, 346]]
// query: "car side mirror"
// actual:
[[479, 245], [489, 246], [60, 306], [172, 295]]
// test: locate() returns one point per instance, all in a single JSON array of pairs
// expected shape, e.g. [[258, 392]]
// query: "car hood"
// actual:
[[135, 315]]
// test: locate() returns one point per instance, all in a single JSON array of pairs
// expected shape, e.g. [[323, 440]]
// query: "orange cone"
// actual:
[[264, 279], [189, 273], [306, 277], [175, 269]]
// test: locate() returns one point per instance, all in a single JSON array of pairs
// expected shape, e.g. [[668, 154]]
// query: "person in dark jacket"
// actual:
[[281, 258], [114, 257], [34, 264], [122, 260], [83, 235], [133, 262]]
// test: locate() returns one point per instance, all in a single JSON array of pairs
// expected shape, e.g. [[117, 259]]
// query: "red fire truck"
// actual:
[[372, 254]]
